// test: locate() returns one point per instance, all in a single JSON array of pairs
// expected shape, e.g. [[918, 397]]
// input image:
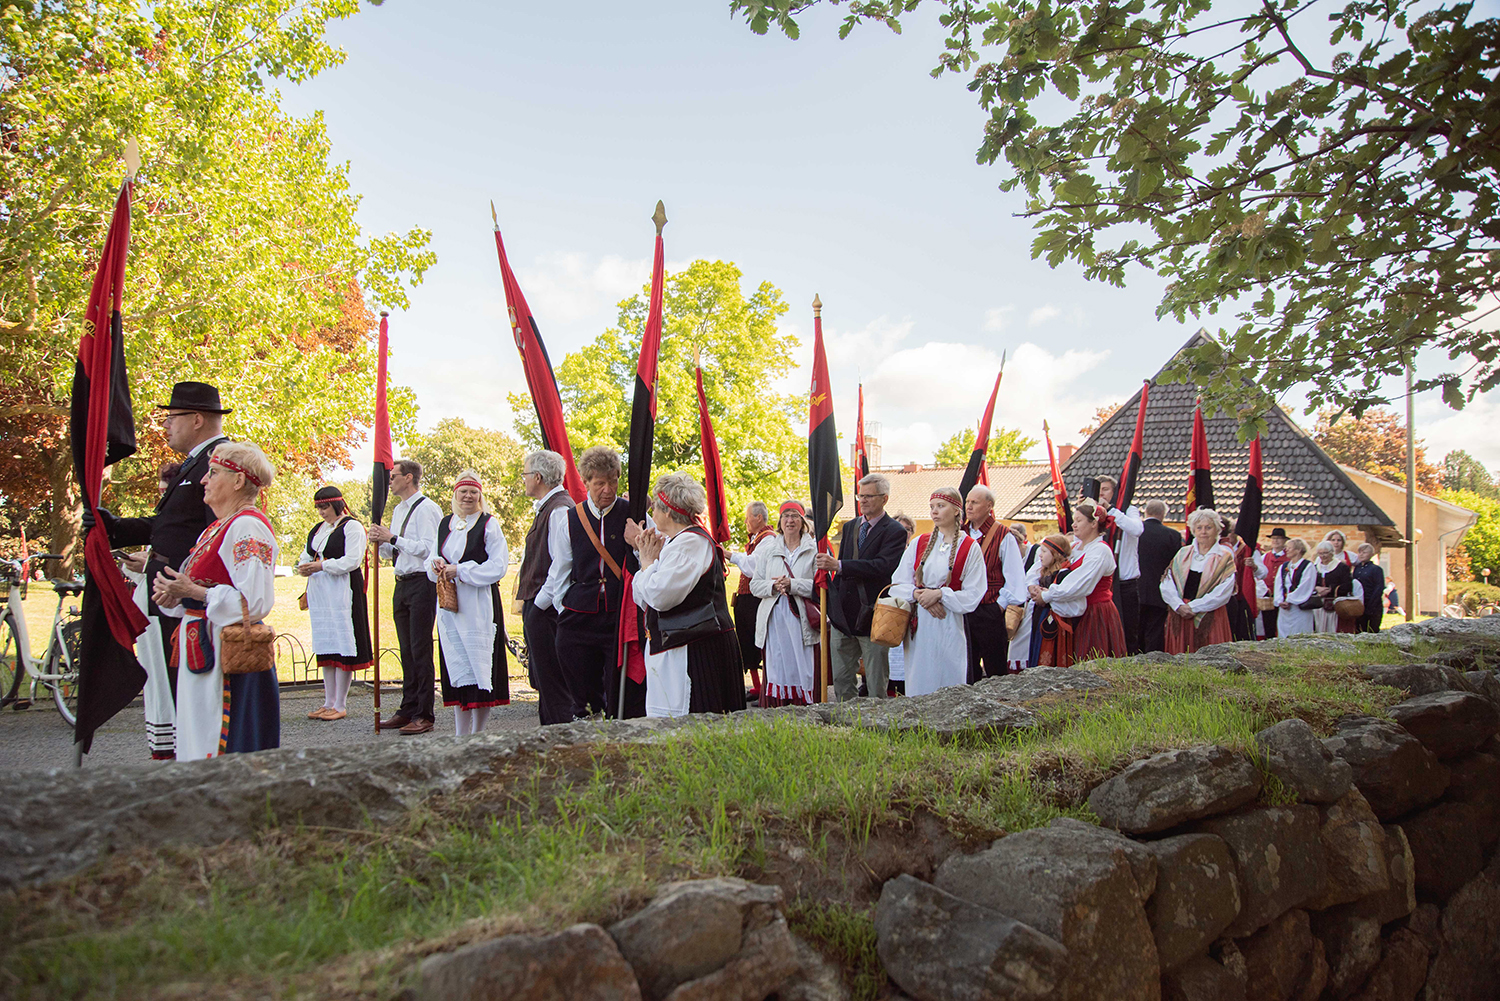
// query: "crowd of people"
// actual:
[[627, 618]]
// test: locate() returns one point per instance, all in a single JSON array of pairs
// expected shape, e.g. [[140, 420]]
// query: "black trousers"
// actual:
[[1128, 601], [989, 643], [1370, 623], [539, 626], [1268, 619], [1153, 628], [414, 608], [587, 653], [745, 608]]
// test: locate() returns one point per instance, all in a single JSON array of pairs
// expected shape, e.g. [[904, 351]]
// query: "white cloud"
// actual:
[[1042, 314], [567, 287], [1471, 429], [998, 318]]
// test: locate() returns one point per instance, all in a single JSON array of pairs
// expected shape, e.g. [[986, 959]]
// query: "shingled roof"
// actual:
[[911, 486], [1303, 486]]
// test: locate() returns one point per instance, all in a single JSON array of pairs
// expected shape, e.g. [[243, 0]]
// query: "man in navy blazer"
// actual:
[[1158, 546], [870, 547]]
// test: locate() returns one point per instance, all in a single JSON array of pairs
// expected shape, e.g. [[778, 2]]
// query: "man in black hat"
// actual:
[[195, 425], [1273, 562]]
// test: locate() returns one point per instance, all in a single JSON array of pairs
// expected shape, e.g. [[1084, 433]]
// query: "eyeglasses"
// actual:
[[869, 496], [167, 418]]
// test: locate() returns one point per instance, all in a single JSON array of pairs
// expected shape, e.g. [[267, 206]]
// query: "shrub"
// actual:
[[1473, 595]]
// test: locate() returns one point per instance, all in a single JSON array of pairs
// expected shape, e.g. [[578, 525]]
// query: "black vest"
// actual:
[[593, 587], [474, 547], [333, 549], [709, 591]]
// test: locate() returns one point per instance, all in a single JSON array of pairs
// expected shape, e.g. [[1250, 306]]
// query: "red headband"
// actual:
[[235, 467], [944, 495], [672, 507], [791, 506], [1056, 549], [331, 497], [469, 481]]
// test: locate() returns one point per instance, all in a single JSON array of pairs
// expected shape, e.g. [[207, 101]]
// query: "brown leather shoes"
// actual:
[[394, 723], [415, 727]]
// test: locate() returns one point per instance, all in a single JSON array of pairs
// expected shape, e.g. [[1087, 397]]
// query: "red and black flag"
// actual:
[[1247, 524], [103, 428], [824, 477], [713, 469], [541, 382], [1059, 488], [380, 481], [643, 408], [861, 455], [1200, 490], [1125, 491], [977, 471]]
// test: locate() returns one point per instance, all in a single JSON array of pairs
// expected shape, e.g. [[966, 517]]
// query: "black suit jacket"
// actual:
[[860, 579], [181, 516], [1158, 545]]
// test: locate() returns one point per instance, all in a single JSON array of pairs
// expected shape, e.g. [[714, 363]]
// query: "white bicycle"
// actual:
[[56, 670]]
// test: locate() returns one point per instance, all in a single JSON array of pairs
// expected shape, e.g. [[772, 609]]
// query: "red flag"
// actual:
[[540, 380], [1059, 488], [713, 470], [1200, 491], [103, 429], [1247, 524], [977, 471], [861, 456], [824, 476], [1126, 490], [380, 481], [643, 408]]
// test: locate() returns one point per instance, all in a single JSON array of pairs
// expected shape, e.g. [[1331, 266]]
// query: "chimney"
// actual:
[[911, 467], [1064, 453]]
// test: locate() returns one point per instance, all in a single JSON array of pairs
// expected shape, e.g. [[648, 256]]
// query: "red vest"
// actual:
[[765, 533], [956, 575]]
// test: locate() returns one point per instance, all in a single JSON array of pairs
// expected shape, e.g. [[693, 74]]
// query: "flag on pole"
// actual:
[[861, 456], [1125, 492], [1059, 488], [541, 382], [103, 428], [977, 471], [713, 469], [643, 408], [1200, 491], [1247, 524], [380, 481], [824, 476]]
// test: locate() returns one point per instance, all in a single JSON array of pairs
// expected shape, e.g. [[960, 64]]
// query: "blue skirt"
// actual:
[[254, 711]]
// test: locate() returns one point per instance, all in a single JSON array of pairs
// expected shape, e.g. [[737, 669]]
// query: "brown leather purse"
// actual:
[[447, 594], [247, 647]]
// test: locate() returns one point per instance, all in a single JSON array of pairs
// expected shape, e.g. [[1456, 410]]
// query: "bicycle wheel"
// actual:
[[10, 662], [65, 688]]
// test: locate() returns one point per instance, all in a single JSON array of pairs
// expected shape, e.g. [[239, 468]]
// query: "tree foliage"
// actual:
[[763, 451], [1326, 171], [453, 446], [1007, 445], [1101, 415], [1482, 542], [1461, 471], [1375, 443], [247, 268]]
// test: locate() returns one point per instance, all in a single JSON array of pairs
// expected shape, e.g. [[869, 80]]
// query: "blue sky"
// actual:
[[828, 167]]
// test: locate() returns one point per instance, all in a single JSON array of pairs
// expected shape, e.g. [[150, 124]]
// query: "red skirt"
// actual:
[[1184, 637], [1098, 632]]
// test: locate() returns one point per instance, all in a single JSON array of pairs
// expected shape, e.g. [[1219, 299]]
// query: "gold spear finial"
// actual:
[[494, 216], [1002, 363], [1045, 428], [659, 216], [132, 159], [817, 305], [384, 314]]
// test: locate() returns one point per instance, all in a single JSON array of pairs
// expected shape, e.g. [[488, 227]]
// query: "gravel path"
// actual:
[[38, 739]]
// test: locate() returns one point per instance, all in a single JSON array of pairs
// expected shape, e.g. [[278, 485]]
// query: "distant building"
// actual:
[[912, 485]]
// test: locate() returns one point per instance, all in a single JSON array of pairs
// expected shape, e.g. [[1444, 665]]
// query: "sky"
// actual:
[[836, 168]]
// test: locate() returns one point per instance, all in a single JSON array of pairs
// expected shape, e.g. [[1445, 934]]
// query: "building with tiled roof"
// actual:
[[1306, 491]]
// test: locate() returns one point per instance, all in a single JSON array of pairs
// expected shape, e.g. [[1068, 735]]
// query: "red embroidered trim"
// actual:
[[252, 549]]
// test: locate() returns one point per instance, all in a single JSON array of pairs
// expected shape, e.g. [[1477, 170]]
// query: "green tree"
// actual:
[[743, 356], [247, 268], [1461, 471], [1328, 171], [1007, 445], [1482, 542], [1375, 443], [453, 446]]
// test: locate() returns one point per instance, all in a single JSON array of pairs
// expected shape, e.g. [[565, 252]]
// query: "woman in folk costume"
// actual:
[[1335, 580], [1097, 632], [1292, 591], [1197, 587], [472, 556], [232, 568], [336, 600], [784, 582], [1049, 628], [1020, 640], [943, 573], [692, 657], [1337, 540]]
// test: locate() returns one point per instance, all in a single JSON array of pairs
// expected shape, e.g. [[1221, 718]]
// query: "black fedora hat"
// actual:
[[198, 396], [1278, 533]]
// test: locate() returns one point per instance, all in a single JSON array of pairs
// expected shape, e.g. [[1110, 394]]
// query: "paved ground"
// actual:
[[37, 738]]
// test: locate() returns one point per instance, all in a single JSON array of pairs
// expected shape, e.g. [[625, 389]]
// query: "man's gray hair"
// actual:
[[759, 509], [548, 464], [983, 492], [1156, 509], [880, 483]]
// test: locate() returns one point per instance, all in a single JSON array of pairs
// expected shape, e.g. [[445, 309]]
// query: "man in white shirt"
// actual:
[[746, 605], [543, 483], [989, 642], [411, 539], [1129, 526]]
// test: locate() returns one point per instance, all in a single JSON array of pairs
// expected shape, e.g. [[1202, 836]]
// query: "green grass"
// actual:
[[586, 833]]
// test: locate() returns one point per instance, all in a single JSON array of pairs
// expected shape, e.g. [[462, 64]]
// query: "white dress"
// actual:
[[1020, 643], [249, 552], [781, 632], [160, 711], [468, 635], [664, 584], [938, 655], [330, 602]]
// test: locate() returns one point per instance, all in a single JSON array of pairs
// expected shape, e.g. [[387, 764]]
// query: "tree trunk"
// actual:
[[67, 516]]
